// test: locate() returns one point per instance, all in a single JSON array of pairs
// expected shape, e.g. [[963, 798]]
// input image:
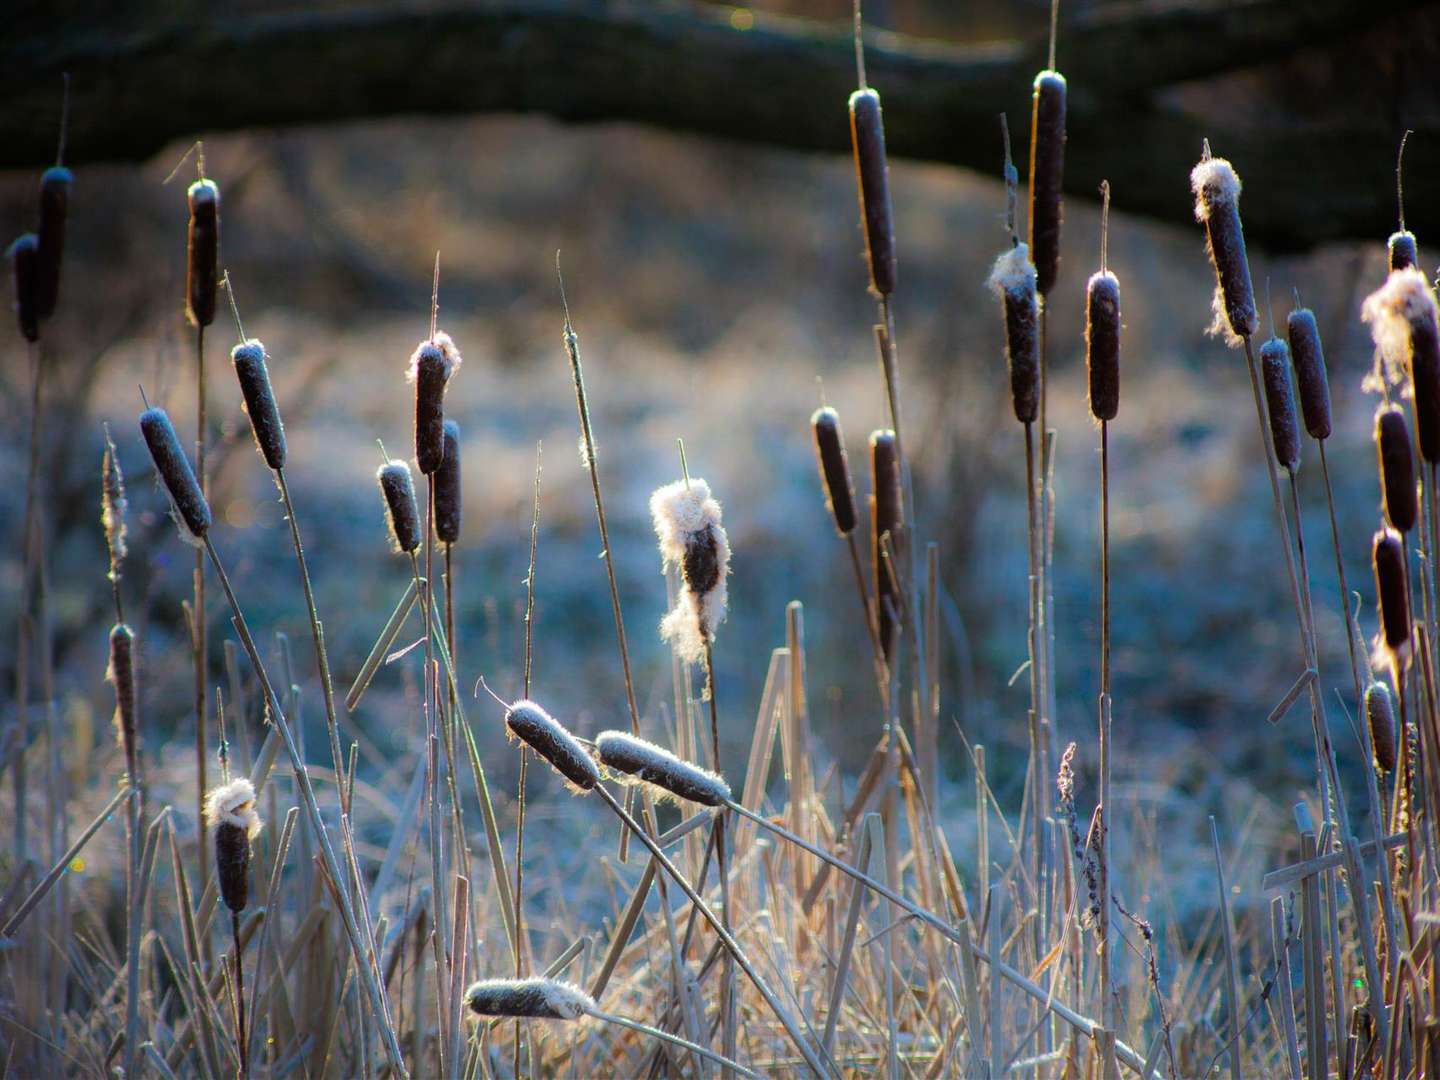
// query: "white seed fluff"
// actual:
[[1405, 300], [687, 524], [441, 343], [233, 804], [1013, 272], [1214, 182]]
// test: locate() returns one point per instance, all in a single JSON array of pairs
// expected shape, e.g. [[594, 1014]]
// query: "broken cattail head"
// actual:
[[635, 757], [1389, 562], [447, 487], [549, 738], [1047, 176], [834, 469], [230, 811], [1102, 344], [691, 537], [1217, 206], [54, 202], [886, 519], [1013, 281], [1311, 380], [174, 469], [250, 369], [25, 272], [545, 999], [431, 365], [1403, 252], [1397, 468], [1280, 402], [202, 279], [113, 503], [1403, 321], [867, 137], [122, 675], [1380, 714], [400, 509]]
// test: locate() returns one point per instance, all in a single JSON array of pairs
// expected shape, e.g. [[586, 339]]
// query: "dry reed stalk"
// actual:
[[529, 655]]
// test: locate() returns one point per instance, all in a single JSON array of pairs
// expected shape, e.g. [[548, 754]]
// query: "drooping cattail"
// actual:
[[54, 203], [635, 757], [1389, 563], [537, 998], [254, 376], [25, 273], [1402, 250], [1280, 403], [834, 469], [549, 738], [447, 487], [230, 811], [867, 138], [1403, 322], [400, 509], [174, 469], [1217, 206], [691, 537], [1013, 281], [113, 504], [202, 278], [1311, 379], [1397, 468], [121, 674], [1102, 343], [1380, 713], [1047, 176], [431, 365], [886, 519]]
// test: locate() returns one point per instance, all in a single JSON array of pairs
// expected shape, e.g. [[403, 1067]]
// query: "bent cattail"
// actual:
[[1380, 712], [1013, 280], [1047, 176], [1102, 343], [1280, 402], [400, 508], [122, 675], [254, 376], [834, 469], [431, 365], [691, 537], [1389, 563], [202, 278], [230, 811], [886, 519], [1402, 250], [25, 272], [1397, 468], [1403, 322], [54, 202], [549, 738], [867, 138], [545, 999], [636, 757], [1217, 206], [174, 468], [1311, 380], [447, 487]]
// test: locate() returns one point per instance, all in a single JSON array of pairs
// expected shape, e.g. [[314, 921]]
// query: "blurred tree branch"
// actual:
[[730, 73]]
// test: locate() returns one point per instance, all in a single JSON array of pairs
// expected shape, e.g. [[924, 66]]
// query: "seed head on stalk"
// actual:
[[691, 537], [1216, 187]]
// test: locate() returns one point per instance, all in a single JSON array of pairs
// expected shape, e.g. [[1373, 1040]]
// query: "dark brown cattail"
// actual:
[[1380, 712], [122, 676], [202, 280], [431, 365], [548, 738], [1311, 380], [254, 376], [447, 487], [400, 508], [230, 811], [834, 469], [1403, 252], [25, 272], [544, 999], [1389, 559], [1280, 402], [1217, 206], [1397, 468], [174, 469], [636, 757], [1102, 344], [691, 537], [867, 137], [1403, 321], [1013, 280], [1047, 176], [886, 519], [54, 202]]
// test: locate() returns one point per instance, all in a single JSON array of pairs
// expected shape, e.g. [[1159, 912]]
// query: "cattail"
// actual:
[[1013, 280], [1380, 712], [834, 469], [1402, 318], [186, 497], [549, 738], [1389, 560], [1402, 249], [545, 999], [54, 202], [230, 811], [1397, 468], [687, 524], [25, 271], [1102, 343], [1280, 401], [1311, 380], [250, 369], [122, 675], [634, 756], [1217, 206], [867, 136], [886, 519], [447, 487], [113, 503], [202, 279], [400, 508], [1047, 175], [431, 365]]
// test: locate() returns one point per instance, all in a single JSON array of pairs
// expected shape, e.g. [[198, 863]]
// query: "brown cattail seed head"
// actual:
[[122, 675], [54, 202], [636, 757], [867, 137], [1102, 344], [250, 369], [1389, 559], [1013, 280], [1397, 468], [691, 536], [1280, 401], [400, 508], [834, 469], [25, 272], [174, 469], [549, 738], [1217, 206], [1311, 380], [546, 999], [202, 279], [1403, 252], [230, 811], [431, 365], [886, 518], [1047, 176], [447, 487], [1380, 713]]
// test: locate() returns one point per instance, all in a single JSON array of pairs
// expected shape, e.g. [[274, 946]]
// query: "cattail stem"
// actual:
[[727, 986], [524, 751], [1106, 748], [1037, 773], [197, 614], [882, 676], [29, 550], [241, 1042]]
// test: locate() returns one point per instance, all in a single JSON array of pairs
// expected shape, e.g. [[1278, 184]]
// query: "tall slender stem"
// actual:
[[727, 985], [197, 613], [525, 753], [1033, 537], [24, 624], [241, 1042], [1106, 960]]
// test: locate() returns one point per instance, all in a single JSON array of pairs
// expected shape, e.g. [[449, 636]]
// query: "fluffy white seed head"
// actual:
[[533, 997], [1013, 272], [1215, 183], [687, 524], [233, 804], [1404, 301], [635, 759], [441, 345]]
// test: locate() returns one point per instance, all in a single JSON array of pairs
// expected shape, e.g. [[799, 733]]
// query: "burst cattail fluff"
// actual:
[[1013, 281], [549, 738], [1389, 562], [230, 811], [1280, 402], [186, 498], [1380, 713], [1311, 380], [400, 508], [886, 519], [447, 487], [202, 279], [113, 503], [625, 753], [1102, 343], [1402, 250], [1047, 175], [545, 999], [431, 365], [1217, 206], [254, 376], [122, 675], [25, 273], [54, 202], [1402, 318], [1397, 468], [867, 137], [687, 524], [834, 468]]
